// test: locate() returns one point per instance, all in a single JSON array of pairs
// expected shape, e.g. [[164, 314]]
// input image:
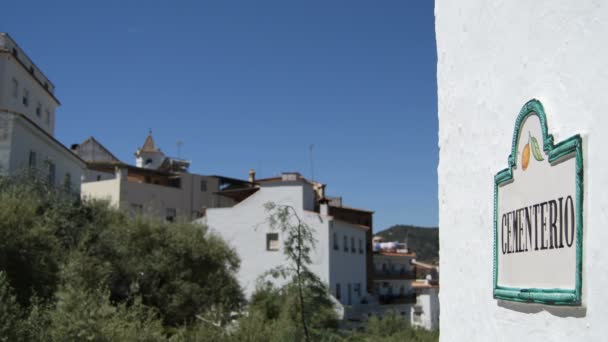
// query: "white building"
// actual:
[[162, 188], [425, 312], [397, 289], [27, 121], [341, 253], [393, 276], [493, 57]]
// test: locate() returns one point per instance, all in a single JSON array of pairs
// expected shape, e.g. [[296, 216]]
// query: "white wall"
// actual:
[[428, 317], [6, 129], [37, 94], [347, 267], [245, 226], [107, 190], [25, 138], [493, 56]]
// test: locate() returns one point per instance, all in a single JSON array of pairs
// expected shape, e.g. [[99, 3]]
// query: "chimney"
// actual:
[[252, 176], [324, 207]]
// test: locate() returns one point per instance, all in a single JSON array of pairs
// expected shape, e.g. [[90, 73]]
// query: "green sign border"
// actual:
[[555, 152]]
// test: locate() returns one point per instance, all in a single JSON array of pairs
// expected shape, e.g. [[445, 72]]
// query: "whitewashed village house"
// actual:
[[343, 235], [393, 274], [27, 122], [158, 186], [425, 311]]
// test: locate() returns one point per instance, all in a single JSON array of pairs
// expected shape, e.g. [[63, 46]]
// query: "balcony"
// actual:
[[394, 275], [397, 299]]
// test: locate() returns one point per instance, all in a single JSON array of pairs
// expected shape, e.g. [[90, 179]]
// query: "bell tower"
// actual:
[[149, 156]]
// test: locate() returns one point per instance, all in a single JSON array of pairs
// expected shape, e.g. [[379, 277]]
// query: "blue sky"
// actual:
[[252, 84]]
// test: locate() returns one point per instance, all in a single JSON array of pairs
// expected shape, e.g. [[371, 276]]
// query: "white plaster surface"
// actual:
[[427, 305], [245, 226], [493, 56], [19, 137]]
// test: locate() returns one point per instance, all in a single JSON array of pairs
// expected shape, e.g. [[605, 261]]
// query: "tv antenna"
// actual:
[[179, 148], [312, 165]]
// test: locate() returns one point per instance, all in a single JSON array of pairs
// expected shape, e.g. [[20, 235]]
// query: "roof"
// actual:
[[352, 209], [229, 179], [47, 134], [424, 265], [237, 194], [424, 285], [362, 226], [280, 179], [110, 166], [95, 141], [149, 145]]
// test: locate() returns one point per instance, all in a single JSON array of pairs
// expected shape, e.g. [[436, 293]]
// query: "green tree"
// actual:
[[85, 315], [10, 311], [58, 253]]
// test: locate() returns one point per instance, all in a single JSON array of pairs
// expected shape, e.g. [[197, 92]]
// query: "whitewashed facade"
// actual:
[[493, 57], [425, 312], [393, 275], [27, 121], [338, 259]]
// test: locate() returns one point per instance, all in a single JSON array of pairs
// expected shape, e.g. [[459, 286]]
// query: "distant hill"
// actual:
[[423, 241]]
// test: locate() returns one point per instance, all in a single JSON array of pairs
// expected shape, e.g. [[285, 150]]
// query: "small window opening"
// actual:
[[272, 241]]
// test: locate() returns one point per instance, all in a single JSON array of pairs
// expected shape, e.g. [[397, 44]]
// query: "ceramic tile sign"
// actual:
[[538, 221]]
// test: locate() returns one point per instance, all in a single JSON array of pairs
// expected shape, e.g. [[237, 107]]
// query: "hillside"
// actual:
[[423, 241]]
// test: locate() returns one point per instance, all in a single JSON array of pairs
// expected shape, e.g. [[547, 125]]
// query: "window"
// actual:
[[171, 214], [15, 88], [272, 241], [47, 117], [352, 245], [338, 292], [67, 182], [38, 109], [32, 160], [358, 289], [336, 247], [148, 161], [51, 174], [26, 97], [203, 185], [345, 243], [360, 246]]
